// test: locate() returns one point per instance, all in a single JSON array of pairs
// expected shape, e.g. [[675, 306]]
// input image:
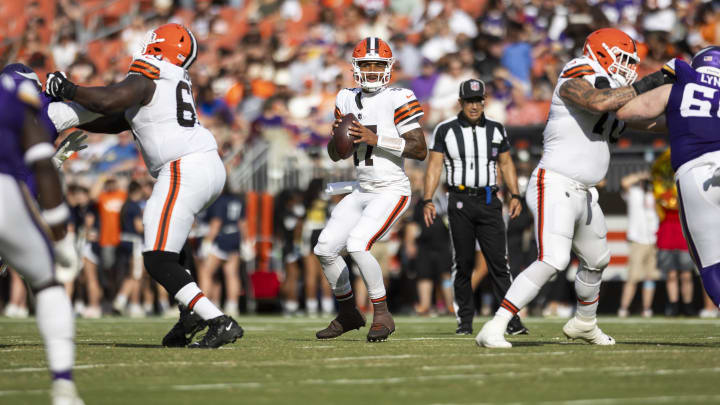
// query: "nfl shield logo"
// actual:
[[474, 86], [494, 152], [707, 58]]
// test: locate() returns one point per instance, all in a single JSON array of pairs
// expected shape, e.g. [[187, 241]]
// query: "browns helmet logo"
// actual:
[[172, 43]]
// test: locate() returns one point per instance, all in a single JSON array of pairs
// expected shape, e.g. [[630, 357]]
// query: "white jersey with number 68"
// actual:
[[389, 112], [167, 128], [575, 141]]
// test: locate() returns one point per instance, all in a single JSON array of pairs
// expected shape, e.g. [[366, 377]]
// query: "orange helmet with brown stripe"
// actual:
[[616, 52], [372, 49], [172, 43]]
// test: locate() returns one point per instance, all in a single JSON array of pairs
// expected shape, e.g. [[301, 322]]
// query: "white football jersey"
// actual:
[[385, 112], [575, 140], [167, 128]]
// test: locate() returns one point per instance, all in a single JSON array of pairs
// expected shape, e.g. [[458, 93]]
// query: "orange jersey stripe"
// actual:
[[406, 107], [398, 208], [161, 236], [580, 74], [144, 64], [408, 114], [541, 206], [576, 69], [143, 71]]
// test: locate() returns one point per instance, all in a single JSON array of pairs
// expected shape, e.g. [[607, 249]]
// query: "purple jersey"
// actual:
[[692, 114], [15, 98]]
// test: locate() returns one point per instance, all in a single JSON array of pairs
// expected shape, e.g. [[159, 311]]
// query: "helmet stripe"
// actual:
[[368, 41], [193, 51]]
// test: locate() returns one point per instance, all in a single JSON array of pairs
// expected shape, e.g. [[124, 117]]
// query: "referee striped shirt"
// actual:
[[470, 151]]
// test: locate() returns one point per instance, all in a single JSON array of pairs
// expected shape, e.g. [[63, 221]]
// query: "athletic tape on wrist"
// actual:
[[396, 146], [39, 151], [57, 215]]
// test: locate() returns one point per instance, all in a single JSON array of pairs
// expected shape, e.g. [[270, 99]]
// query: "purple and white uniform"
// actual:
[[24, 243], [693, 118]]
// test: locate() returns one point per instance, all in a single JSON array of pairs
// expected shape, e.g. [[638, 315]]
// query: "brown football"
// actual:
[[343, 140]]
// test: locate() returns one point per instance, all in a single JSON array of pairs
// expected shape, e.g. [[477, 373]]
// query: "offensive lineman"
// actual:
[[561, 193], [387, 131], [155, 102], [690, 107]]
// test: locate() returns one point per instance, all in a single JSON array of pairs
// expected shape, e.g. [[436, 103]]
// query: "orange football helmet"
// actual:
[[372, 49], [616, 52], [172, 43]]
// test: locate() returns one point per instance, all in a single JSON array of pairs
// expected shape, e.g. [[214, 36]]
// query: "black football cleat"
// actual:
[[221, 331], [382, 327], [516, 327], [464, 329], [344, 322], [185, 329]]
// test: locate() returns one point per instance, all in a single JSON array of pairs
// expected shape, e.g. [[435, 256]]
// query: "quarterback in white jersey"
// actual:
[[155, 102], [387, 130], [561, 192]]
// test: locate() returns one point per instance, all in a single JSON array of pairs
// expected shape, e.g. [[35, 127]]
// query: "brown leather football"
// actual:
[[343, 140]]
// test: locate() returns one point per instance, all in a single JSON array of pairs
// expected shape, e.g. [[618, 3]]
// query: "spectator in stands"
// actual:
[[109, 202], [312, 223], [443, 102], [423, 84], [221, 247], [429, 249], [130, 250], [120, 157], [517, 55], [642, 227], [673, 258]]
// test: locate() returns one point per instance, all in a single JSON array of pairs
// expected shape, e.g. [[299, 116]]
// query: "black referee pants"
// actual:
[[471, 218]]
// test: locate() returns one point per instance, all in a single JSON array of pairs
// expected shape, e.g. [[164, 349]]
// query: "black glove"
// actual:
[[58, 86], [653, 80]]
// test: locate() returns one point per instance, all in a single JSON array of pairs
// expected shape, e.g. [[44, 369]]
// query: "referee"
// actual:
[[472, 147]]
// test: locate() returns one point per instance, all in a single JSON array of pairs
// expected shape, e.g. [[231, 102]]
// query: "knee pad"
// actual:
[[165, 268], [600, 262]]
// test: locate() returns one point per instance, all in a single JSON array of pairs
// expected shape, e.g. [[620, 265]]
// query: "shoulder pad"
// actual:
[[145, 67], [578, 67]]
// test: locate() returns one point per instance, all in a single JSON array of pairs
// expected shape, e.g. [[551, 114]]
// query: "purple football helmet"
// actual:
[[19, 71], [707, 60]]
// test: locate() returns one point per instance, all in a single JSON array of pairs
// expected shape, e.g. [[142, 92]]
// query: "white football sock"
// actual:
[[587, 289], [195, 300], [337, 274], [371, 273], [56, 325], [311, 305], [291, 305], [328, 305], [524, 289]]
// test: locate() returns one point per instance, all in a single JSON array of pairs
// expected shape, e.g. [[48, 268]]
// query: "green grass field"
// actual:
[[279, 361]]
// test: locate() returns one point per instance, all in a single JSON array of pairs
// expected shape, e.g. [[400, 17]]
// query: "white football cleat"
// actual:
[[587, 331], [64, 393], [492, 335]]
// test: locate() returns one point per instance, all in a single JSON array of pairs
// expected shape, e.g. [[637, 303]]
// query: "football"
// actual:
[[343, 140]]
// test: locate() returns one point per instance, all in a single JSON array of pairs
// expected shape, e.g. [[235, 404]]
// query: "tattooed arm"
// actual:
[[415, 147], [580, 93]]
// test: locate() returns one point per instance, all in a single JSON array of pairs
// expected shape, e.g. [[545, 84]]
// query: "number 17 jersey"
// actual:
[[575, 141], [167, 128], [388, 112]]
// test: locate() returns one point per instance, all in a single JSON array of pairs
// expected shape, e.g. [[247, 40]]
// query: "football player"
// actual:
[[690, 109], [155, 101], [561, 192], [386, 132], [25, 233]]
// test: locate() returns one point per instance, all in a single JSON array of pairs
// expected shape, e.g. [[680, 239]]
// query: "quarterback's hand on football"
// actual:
[[73, 143], [515, 208], [429, 213], [362, 134], [57, 85]]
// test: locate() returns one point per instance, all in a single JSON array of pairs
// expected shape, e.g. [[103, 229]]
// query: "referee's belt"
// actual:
[[486, 191]]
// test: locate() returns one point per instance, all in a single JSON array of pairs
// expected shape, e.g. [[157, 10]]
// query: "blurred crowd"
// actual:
[[267, 73]]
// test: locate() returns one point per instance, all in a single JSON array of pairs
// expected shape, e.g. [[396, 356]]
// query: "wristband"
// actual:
[[57, 215], [396, 146], [516, 196], [649, 82], [426, 202], [39, 151]]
